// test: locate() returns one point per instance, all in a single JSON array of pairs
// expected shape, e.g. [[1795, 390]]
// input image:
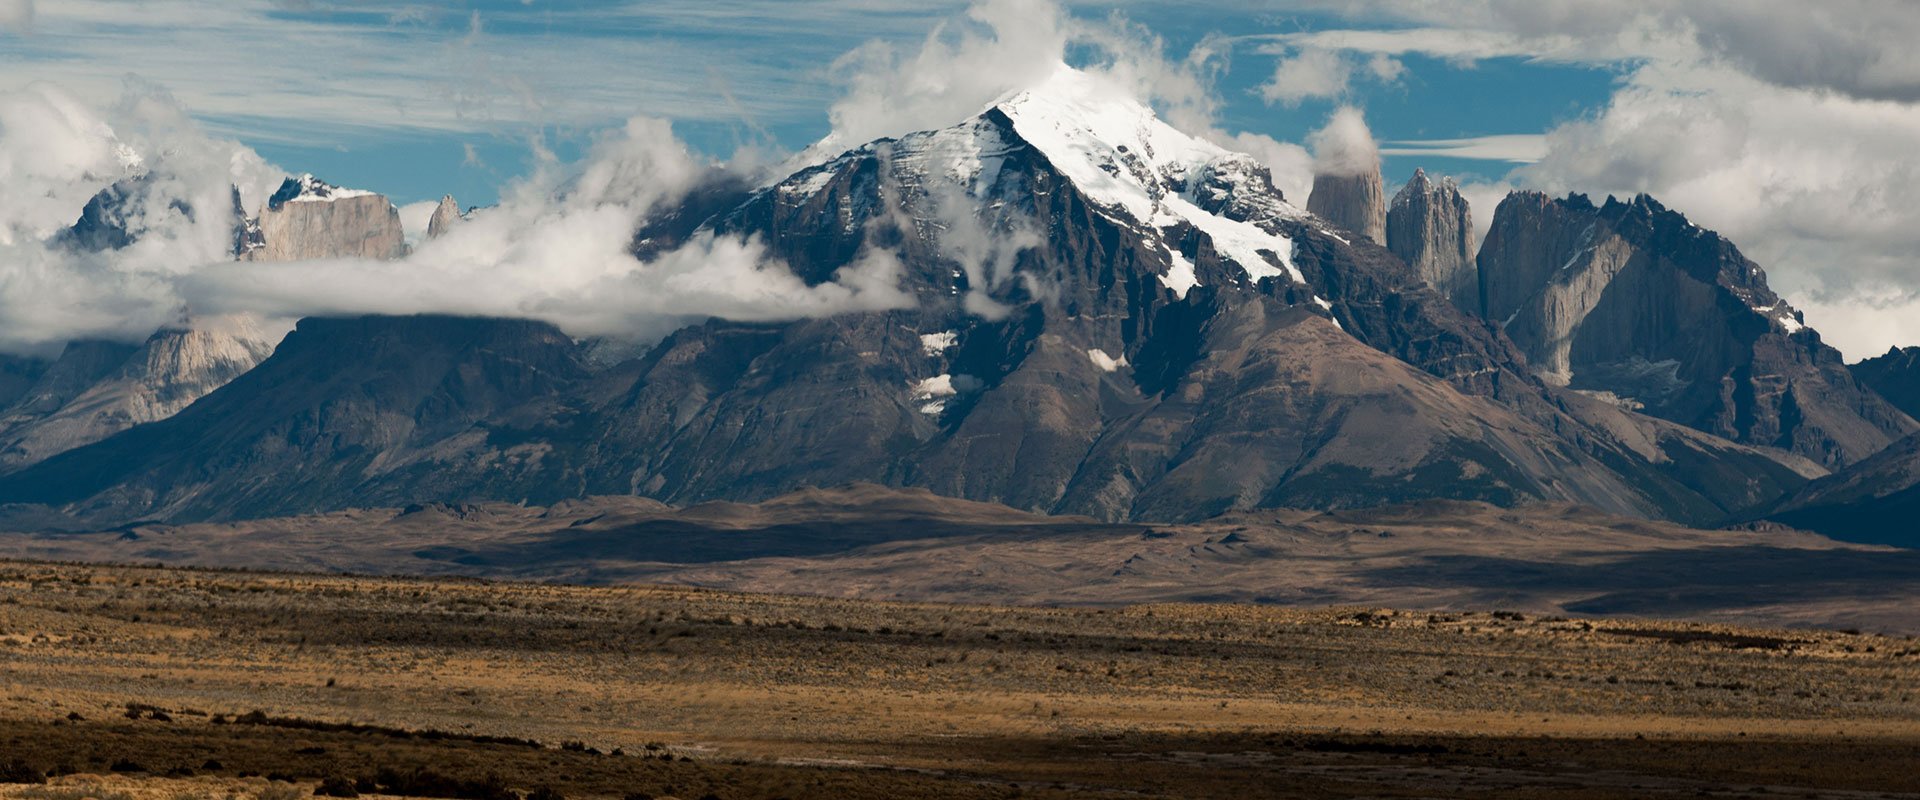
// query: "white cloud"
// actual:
[[557, 249], [1344, 146], [55, 154], [1519, 148], [1309, 74]]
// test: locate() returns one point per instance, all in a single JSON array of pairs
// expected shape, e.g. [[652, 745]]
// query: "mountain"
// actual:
[[308, 218], [1631, 302], [1103, 316], [1895, 376], [1874, 501], [97, 389], [1354, 202], [120, 214], [445, 216], [1430, 226], [339, 406]]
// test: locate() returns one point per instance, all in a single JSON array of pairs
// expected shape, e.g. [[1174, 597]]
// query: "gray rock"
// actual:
[[1357, 203], [1430, 226], [97, 389], [445, 216], [309, 218]]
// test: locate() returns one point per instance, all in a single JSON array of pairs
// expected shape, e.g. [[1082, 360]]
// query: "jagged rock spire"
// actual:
[[1430, 226], [444, 217]]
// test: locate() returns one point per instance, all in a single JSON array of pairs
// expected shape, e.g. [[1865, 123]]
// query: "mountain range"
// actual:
[[1104, 317]]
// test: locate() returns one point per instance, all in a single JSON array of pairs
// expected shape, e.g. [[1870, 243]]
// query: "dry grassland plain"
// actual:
[[172, 683]]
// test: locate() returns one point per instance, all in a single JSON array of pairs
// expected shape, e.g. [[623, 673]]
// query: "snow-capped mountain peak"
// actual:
[[1122, 156]]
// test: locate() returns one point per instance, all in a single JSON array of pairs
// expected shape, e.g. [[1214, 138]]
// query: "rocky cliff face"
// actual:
[[1355, 203], [309, 218], [1430, 227], [1631, 302], [1895, 376], [97, 389], [445, 216]]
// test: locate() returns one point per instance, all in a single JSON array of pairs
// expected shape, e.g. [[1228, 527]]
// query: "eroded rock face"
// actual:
[[1430, 226], [1631, 302], [97, 389], [1357, 203], [309, 218], [445, 216]]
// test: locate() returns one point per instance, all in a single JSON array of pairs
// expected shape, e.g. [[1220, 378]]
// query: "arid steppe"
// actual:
[[172, 682]]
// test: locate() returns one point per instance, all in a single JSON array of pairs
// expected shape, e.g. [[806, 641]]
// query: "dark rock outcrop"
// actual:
[[1430, 226], [1876, 500], [1631, 302], [1895, 376], [340, 407]]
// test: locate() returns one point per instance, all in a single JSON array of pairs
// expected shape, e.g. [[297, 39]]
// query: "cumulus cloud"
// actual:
[[1345, 146], [1311, 73], [957, 70]]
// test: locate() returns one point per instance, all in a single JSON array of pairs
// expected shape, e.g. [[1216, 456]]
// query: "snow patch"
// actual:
[[1105, 362], [1180, 277], [932, 393], [934, 344], [309, 189]]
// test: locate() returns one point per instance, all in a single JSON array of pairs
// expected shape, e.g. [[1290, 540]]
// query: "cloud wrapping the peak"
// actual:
[[1345, 146], [558, 248], [55, 154]]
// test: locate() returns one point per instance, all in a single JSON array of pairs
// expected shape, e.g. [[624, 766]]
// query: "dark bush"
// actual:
[[17, 771], [424, 782], [545, 793], [126, 765], [336, 786]]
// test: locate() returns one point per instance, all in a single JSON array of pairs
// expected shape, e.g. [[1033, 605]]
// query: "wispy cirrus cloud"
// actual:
[[1516, 148]]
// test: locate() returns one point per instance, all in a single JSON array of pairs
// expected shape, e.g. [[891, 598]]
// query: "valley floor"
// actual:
[[167, 683]]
